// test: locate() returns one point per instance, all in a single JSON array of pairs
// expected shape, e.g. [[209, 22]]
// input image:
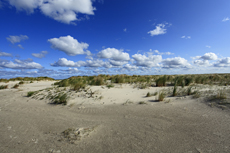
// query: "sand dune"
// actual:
[[113, 123]]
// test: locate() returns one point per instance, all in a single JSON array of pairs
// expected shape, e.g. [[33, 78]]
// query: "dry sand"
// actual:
[[182, 125]]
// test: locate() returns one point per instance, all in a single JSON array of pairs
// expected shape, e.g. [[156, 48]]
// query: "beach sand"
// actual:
[[113, 123]]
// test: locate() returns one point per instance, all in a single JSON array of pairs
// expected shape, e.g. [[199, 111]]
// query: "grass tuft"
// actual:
[[3, 87], [30, 93], [161, 96]]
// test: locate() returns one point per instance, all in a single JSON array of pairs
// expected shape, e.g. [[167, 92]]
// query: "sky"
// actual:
[[64, 38]]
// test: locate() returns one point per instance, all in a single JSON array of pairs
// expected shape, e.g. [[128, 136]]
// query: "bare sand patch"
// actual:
[[181, 125]]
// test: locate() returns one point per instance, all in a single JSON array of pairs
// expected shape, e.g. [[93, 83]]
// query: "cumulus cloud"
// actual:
[[65, 11], [147, 61], [225, 19], [69, 45], [63, 62], [114, 54], [208, 46], [20, 64], [176, 62], [117, 63], [40, 55], [130, 67], [224, 62], [17, 39], [26, 5], [5, 54], [209, 56], [201, 62], [160, 30]]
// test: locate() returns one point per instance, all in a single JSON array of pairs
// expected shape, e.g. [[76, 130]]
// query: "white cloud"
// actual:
[[125, 30], [20, 46], [17, 39], [225, 19], [114, 54], [147, 61], [117, 63], [5, 54], [27, 5], [130, 67], [65, 11], [160, 53], [209, 56], [208, 46], [160, 30], [69, 45], [20, 64], [201, 62], [40, 55], [63, 62], [224, 62], [176, 62], [186, 37]]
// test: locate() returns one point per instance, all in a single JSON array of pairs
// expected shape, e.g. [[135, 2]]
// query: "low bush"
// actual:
[[148, 94], [60, 99], [110, 86], [79, 86], [16, 86], [30, 93], [161, 81], [3, 87], [21, 82]]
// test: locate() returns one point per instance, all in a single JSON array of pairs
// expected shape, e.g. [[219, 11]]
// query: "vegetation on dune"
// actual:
[[27, 79], [30, 93], [16, 86], [60, 99], [3, 87], [161, 96]]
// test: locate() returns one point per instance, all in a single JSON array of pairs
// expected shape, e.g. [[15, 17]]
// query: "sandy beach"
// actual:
[[109, 120]]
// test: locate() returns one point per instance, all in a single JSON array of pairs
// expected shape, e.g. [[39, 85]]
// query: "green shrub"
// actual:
[[60, 99], [161, 81], [148, 94], [16, 86], [79, 86], [188, 81], [3, 87], [30, 93], [21, 82], [110, 86]]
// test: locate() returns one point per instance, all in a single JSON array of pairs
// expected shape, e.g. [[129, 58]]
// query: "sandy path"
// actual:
[[181, 126]]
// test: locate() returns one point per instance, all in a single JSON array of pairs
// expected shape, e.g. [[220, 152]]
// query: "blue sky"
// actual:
[[60, 38]]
